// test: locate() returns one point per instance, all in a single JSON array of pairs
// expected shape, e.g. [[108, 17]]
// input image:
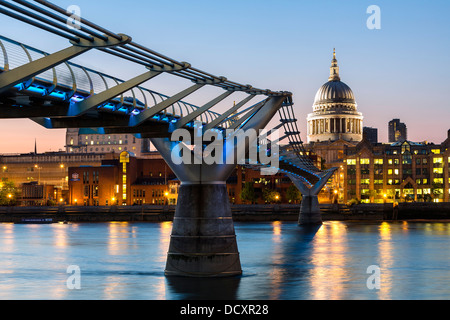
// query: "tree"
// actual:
[[8, 194], [248, 193], [271, 196], [293, 194]]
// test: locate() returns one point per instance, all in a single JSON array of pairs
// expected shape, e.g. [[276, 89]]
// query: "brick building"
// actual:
[[402, 171]]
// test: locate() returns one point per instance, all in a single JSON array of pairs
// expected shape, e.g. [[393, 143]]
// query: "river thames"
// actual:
[[280, 261]]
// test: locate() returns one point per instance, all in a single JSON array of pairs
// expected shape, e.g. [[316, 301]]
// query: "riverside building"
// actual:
[[397, 172]]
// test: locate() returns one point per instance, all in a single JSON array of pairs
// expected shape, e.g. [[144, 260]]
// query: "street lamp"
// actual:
[[39, 168], [166, 194]]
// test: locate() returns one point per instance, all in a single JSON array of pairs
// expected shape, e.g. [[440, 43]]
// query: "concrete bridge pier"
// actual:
[[203, 241], [310, 213]]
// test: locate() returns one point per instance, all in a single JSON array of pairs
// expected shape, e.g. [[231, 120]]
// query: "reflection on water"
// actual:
[[280, 260]]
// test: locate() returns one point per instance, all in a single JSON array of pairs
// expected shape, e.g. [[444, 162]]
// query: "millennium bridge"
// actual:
[[56, 93]]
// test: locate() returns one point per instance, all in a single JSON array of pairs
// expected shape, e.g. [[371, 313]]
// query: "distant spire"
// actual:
[[334, 70]]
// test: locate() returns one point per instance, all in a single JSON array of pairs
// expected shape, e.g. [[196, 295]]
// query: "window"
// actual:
[[365, 161], [380, 161], [378, 171], [86, 191], [95, 191]]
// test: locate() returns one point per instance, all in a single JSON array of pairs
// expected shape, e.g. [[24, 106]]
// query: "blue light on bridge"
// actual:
[[58, 94]]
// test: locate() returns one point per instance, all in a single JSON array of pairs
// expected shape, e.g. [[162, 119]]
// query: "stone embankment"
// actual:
[[241, 213]]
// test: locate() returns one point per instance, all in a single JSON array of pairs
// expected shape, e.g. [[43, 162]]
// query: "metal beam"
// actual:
[[79, 108], [147, 114], [225, 116], [23, 73], [20, 74], [190, 117], [249, 114]]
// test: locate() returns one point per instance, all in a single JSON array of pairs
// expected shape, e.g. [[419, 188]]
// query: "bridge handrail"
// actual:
[[70, 76]]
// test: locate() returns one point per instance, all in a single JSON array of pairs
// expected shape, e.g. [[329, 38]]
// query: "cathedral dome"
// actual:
[[334, 95], [334, 92], [335, 114]]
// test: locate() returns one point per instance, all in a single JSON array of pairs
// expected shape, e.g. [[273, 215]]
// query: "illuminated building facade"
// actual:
[[89, 141], [123, 181], [402, 171], [397, 131]]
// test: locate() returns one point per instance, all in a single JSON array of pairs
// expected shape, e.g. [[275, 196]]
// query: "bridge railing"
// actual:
[[72, 81]]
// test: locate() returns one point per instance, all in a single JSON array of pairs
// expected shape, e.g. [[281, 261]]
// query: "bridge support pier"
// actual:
[[203, 241], [310, 213]]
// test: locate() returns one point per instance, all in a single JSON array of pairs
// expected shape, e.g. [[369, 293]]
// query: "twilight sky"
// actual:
[[400, 71]]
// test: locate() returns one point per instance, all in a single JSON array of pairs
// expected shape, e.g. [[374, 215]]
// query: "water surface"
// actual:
[[280, 261]]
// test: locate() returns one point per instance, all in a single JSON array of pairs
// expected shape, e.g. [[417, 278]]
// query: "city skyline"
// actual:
[[398, 71]]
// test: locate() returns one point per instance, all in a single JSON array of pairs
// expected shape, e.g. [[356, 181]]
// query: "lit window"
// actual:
[[365, 161], [378, 161]]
